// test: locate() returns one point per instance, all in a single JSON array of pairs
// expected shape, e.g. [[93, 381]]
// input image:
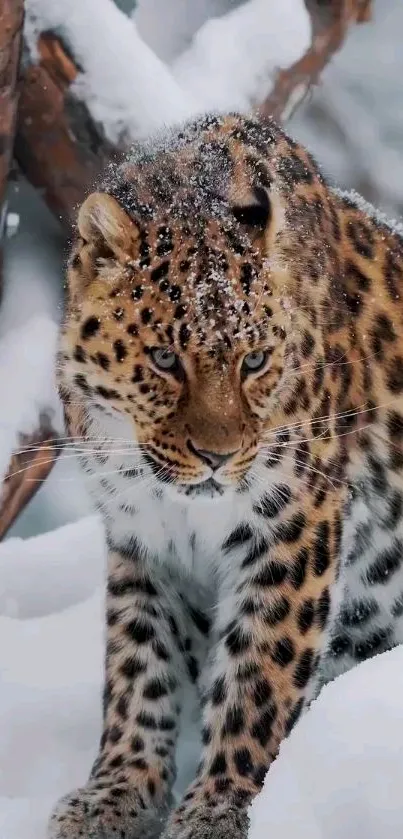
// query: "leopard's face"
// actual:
[[189, 328]]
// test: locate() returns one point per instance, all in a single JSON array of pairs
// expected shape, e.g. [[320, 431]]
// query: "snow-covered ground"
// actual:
[[341, 772], [339, 775]]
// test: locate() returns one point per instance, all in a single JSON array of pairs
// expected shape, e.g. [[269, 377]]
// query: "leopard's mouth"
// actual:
[[208, 489]]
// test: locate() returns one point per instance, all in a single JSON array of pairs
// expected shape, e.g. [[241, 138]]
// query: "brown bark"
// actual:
[[11, 17], [30, 466], [58, 146], [61, 151], [28, 469], [330, 25]]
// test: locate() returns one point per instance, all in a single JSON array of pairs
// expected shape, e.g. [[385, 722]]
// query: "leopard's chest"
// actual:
[[186, 534], [189, 536]]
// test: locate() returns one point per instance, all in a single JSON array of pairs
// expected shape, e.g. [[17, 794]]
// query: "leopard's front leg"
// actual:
[[128, 793], [264, 665]]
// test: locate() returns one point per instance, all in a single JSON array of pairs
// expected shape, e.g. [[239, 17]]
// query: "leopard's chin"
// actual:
[[209, 488], [203, 491]]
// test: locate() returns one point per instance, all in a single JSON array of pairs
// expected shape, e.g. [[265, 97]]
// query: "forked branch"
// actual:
[[29, 468], [329, 29]]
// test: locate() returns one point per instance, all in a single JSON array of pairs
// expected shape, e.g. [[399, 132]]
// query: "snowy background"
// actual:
[[341, 772]]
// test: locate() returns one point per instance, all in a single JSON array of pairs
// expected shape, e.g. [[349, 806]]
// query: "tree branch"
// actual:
[[29, 468], [11, 18], [329, 29], [58, 146]]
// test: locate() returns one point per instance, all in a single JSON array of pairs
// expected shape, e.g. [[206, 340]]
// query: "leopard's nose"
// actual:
[[212, 459]]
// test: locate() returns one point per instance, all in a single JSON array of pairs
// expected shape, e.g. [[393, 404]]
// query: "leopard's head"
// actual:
[[192, 310]]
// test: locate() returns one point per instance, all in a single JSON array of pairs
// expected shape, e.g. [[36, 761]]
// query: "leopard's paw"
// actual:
[[206, 823], [113, 812]]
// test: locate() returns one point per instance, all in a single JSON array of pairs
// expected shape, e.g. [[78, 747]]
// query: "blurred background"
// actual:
[[352, 122]]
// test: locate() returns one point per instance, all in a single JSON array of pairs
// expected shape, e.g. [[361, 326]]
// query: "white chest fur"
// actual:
[[187, 533]]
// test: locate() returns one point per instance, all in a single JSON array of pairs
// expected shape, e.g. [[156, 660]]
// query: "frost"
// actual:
[[378, 216]]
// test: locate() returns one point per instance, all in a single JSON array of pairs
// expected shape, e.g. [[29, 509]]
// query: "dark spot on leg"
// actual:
[[294, 716], [261, 729], [283, 652], [243, 761], [306, 616], [262, 692], [298, 572], [219, 764], [386, 563], [323, 608], [90, 327], [321, 548], [303, 670], [234, 721]]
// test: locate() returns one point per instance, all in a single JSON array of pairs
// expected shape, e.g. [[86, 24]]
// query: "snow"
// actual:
[[381, 218], [125, 86], [131, 92], [67, 576], [339, 774], [168, 28], [233, 59]]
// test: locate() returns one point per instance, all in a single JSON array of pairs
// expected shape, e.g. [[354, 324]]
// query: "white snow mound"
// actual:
[[340, 773]]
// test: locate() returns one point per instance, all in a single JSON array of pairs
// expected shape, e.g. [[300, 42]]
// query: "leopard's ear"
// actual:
[[253, 209], [104, 224]]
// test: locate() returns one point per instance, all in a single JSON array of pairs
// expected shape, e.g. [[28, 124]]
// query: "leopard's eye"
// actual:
[[164, 359], [254, 361]]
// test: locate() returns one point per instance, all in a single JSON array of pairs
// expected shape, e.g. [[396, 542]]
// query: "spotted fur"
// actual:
[[252, 492]]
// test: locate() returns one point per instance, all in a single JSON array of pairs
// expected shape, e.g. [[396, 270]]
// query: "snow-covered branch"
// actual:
[[91, 86], [125, 87], [58, 146], [294, 82]]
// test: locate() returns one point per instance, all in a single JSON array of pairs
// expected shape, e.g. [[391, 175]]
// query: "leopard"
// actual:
[[231, 369]]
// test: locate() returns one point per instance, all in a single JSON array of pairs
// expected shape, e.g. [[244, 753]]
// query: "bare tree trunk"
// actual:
[[11, 18], [58, 147]]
